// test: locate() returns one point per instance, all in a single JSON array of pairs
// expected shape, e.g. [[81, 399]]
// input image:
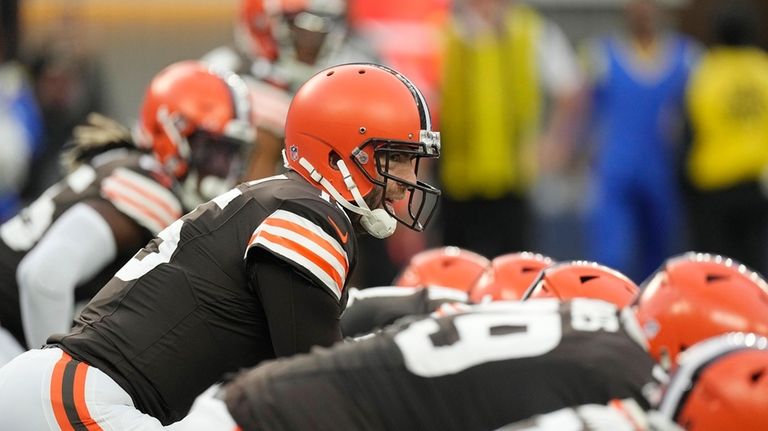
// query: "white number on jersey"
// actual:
[[23, 231], [491, 334], [137, 267], [498, 331]]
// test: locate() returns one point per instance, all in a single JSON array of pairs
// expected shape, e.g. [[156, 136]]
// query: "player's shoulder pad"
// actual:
[[142, 196], [316, 239]]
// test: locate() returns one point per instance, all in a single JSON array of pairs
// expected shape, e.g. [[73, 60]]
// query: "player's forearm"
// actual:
[[75, 248], [308, 315]]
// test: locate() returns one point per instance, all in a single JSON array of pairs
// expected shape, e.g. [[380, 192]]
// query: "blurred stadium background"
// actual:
[[132, 40], [119, 45]]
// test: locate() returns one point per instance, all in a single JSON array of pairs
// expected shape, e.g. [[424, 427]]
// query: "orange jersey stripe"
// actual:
[[307, 253], [317, 239], [79, 395], [173, 212], [136, 205], [57, 401]]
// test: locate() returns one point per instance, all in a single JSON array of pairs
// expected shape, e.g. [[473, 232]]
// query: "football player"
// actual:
[[719, 384], [118, 193], [450, 266], [432, 278], [278, 45], [583, 279], [538, 356], [695, 296], [480, 369], [256, 273], [509, 276]]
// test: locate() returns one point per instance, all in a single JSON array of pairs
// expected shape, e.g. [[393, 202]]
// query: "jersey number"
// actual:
[[23, 231], [520, 330]]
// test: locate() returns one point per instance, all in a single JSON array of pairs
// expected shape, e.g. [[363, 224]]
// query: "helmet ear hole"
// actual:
[[333, 160]]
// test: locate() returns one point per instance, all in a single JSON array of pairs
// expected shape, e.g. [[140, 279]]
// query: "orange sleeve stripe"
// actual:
[[173, 212], [307, 253], [57, 400], [137, 206], [317, 239], [78, 390]]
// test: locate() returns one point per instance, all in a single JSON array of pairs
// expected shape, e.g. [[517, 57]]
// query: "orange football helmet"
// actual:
[[509, 276], [343, 127], [197, 120], [451, 267], [720, 384], [583, 279], [696, 296]]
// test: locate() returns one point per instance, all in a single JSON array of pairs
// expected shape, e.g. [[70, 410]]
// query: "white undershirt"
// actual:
[[76, 247]]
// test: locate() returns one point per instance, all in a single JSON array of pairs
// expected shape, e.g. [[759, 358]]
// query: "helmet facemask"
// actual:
[[421, 197], [216, 161], [212, 162]]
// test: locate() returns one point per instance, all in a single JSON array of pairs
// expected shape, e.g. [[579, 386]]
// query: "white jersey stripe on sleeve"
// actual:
[[311, 245], [152, 190], [148, 211], [142, 199], [310, 226], [135, 210], [305, 243]]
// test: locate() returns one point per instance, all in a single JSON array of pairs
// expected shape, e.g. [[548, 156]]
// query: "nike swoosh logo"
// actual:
[[343, 236]]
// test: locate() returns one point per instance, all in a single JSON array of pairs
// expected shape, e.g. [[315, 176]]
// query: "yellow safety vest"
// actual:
[[490, 108], [728, 106]]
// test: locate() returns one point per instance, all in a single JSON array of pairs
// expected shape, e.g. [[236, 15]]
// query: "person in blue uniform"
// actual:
[[636, 89]]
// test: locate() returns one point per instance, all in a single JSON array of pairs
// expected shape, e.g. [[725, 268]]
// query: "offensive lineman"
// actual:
[[718, 385], [478, 370], [258, 272], [502, 360]]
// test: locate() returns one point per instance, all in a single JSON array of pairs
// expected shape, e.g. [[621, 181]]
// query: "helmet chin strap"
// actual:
[[376, 222]]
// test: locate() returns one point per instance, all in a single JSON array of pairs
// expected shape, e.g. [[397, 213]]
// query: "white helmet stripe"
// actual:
[[701, 355]]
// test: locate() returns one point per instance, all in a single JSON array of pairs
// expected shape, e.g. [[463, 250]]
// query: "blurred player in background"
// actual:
[[256, 273], [478, 369], [278, 45], [583, 279], [636, 87], [118, 194], [502, 63], [538, 355], [449, 266], [695, 296], [719, 384], [21, 125], [432, 278], [727, 162], [509, 276]]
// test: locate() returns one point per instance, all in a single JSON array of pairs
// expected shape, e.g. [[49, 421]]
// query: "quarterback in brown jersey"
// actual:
[[256, 273]]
